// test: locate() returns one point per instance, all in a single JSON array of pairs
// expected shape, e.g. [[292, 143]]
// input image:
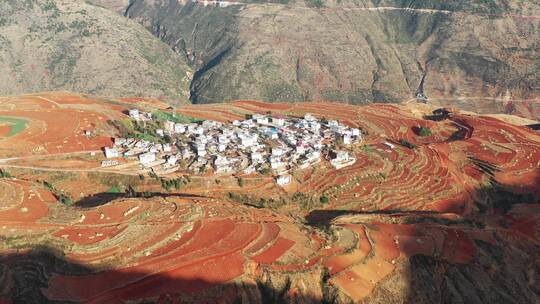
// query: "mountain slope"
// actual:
[[71, 45], [355, 51]]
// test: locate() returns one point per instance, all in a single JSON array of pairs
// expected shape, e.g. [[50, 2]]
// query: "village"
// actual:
[[261, 143]]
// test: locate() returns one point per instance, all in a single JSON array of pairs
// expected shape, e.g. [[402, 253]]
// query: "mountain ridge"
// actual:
[[294, 52]]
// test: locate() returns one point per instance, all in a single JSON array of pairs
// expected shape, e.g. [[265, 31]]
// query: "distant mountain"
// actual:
[[354, 51], [72, 45]]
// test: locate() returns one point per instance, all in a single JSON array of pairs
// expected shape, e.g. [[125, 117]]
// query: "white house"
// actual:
[[145, 116], [169, 126], [134, 113], [283, 180], [277, 151], [221, 163], [201, 139], [389, 145], [290, 139], [309, 117], [223, 139], [347, 139], [333, 123], [342, 156], [313, 156], [198, 130], [186, 154], [256, 157], [154, 148], [201, 149], [209, 124], [222, 147], [179, 128], [111, 152], [278, 120], [301, 147], [272, 133], [167, 148], [249, 170], [227, 132], [248, 123], [119, 141], [315, 126], [109, 162], [356, 132], [160, 132], [201, 161], [147, 158], [248, 140], [276, 163], [191, 128], [260, 119], [342, 159], [172, 159]]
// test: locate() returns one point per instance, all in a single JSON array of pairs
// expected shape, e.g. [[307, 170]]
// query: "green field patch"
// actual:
[[114, 189], [16, 124], [180, 118]]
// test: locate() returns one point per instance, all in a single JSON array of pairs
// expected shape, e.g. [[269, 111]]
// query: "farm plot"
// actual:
[[47, 124], [23, 202], [183, 241], [382, 246]]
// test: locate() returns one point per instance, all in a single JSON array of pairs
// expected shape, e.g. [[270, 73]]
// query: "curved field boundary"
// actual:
[[16, 125], [275, 251]]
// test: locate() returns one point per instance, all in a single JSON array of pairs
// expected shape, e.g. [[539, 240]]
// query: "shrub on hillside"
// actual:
[[314, 3]]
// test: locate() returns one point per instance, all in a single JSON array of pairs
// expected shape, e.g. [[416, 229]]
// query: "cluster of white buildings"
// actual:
[[262, 142]]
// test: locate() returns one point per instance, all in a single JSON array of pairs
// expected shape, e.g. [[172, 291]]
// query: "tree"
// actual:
[[64, 199], [407, 144], [241, 182], [4, 174], [167, 138], [324, 199], [177, 184], [424, 131]]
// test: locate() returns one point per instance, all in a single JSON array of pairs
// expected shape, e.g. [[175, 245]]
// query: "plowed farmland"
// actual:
[[452, 214]]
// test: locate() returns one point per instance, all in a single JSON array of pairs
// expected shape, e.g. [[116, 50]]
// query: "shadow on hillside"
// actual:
[[32, 277], [325, 216], [103, 198], [489, 199], [535, 127]]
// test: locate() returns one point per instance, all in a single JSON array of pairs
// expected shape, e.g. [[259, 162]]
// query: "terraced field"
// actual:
[[437, 175], [456, 213]]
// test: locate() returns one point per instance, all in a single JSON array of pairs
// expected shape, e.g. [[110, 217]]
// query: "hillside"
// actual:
[[71, 45], [350, 50], [451, 216]]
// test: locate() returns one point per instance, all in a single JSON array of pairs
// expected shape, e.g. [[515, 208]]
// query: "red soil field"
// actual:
[[397, 203], [4, 130], [274, 252]]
